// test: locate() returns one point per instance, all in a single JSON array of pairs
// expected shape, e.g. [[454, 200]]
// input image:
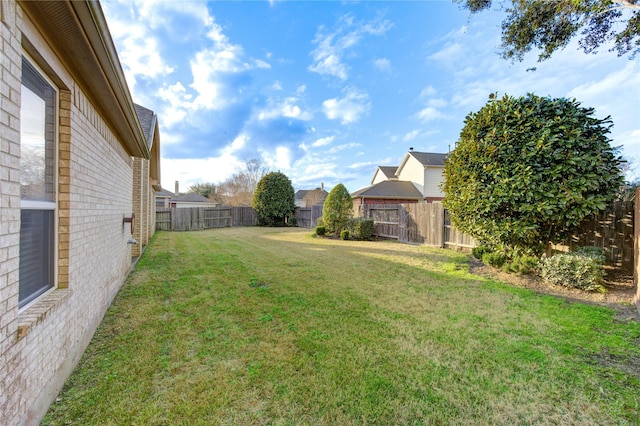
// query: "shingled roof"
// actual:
[[147, 120], [429, 158], [390, 189], [388, 171]]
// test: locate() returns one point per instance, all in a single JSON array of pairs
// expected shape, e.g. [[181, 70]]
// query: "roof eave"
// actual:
[[95, 67]]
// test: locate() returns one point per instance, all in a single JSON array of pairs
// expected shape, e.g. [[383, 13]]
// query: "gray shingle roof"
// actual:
[[164, 193], [191, 197], [390, 189], [429, 158], [147, 122], [388, 171]]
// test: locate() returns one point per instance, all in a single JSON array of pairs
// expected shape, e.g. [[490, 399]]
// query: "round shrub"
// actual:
[[522, 265], [344, 234], [494, 259], [360, 228], [574, 270], [320, 230], [337, 209], [477, 252]]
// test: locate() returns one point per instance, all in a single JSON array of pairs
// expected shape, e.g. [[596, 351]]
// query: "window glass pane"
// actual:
[[37, 133], [36, 254]]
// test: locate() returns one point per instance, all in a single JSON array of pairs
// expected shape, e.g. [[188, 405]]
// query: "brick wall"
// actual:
[[10, 71], [40, 345]]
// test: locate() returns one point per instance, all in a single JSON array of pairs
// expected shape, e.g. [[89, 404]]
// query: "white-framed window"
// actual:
[[38, 182]]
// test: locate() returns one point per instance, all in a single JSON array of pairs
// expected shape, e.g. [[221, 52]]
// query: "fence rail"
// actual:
[[613, 231], [198, 218], [307, 217], [424, 223]]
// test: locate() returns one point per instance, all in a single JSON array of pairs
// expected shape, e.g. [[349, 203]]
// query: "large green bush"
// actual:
[[337, 209], [526, 171], [360, 228], [274, 199], [574, 270]]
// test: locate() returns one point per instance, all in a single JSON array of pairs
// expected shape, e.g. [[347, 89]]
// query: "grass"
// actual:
[[273, 326]]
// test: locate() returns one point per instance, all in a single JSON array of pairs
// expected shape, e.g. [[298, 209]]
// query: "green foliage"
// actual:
[[550, 25], [523, 264], [526, 171], [574, 270], [320, 230], [337, 209], [360, 228], [344, 234], [477, 252], [274, 199], [207, 190], [494, 259], [597, 253]]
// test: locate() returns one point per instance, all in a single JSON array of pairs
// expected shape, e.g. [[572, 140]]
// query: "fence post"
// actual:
[[636, 249]]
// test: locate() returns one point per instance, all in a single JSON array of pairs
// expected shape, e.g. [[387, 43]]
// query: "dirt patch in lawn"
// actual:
[[619, 286]]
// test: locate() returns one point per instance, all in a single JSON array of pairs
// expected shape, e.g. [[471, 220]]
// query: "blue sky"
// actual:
[[325, 91]]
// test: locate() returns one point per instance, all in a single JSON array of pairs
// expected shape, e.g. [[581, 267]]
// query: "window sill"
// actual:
[[37, 312]]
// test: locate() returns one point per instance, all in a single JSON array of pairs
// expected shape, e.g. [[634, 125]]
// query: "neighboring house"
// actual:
[[310, 197], [163, 198], [190, 200], [76, 165], [416, 179], [384, 173], [146, 181]]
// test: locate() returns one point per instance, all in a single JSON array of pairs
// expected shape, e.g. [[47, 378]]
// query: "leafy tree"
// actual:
[[526, 171], [337, 209], [207, 190], [274, 199], [550, 25]]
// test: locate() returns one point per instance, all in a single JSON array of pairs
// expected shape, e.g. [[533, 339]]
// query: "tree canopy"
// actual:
[[526, 171], [274, 199], [207, 190], [549, 25], [337, 208]]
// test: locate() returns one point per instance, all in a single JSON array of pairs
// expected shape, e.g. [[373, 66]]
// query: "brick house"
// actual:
[[416, 179], [75, 164]]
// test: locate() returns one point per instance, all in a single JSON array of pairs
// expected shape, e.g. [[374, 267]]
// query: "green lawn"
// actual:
[[273, 326]]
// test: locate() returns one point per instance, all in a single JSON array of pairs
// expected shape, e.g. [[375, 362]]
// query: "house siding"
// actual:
[[432, 178], [413, 171], [40, 345]]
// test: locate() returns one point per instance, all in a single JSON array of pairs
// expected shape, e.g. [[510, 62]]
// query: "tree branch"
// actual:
[[627, 4]]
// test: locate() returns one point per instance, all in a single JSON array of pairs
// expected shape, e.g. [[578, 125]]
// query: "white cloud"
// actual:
[[286, 108], [279, 159], [342, 147], [323, 141], [191, 171], [276, 86], [411, 135], [428, 91], [348, 109], [429, 114], [383, 65], [333, 46]]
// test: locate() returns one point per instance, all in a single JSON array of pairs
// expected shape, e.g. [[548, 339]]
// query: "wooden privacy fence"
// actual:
[[424, 223], [613, 231], [307, 217], [198, 218]]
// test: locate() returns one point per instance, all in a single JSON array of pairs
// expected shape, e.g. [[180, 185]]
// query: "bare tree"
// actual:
[[238, 189], [317, 196]]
